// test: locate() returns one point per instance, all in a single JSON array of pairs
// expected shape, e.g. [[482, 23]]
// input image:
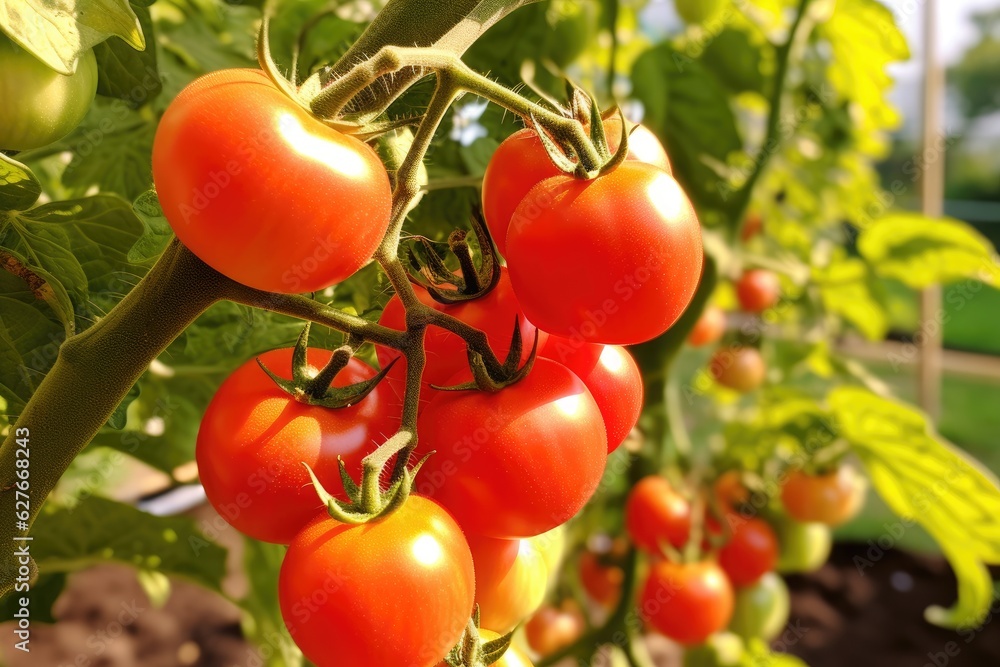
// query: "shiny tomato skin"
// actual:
[[396, 591], [757, 290], [511, 579], [41, 105], [613, 260], [611, 375], [741, 369], [520, 163], [551, 629], [263, 192], [750, 553], [494, 314], [514, 463], [709, 328], [831, 499], [686, 602], [602, 582], [655, 513], [254, 438]]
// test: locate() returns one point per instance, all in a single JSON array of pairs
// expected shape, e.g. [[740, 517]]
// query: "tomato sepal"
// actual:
[[318, 389], [483, 379], [472, 651], [473, 282]]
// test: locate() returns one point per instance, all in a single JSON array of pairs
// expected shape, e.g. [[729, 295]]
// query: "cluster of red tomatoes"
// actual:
[[721, 570], [738, 366], [595, 264]]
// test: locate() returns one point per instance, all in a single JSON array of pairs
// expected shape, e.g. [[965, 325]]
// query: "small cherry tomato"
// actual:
[[831, 499], [551, 629], [739, 368], [709, 327], [612, 377], [761, 610], [805, 547], [686, 602], [758, 290], [655, 513], [751, 552], [601, 581]]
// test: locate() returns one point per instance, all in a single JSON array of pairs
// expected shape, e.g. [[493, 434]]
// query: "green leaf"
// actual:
[[44, 593], [19, 188], [262, 621], [848, 289], [925, 480], [689, 110], [921, 251], [157, 232], [58, 32], [127, 74], [735, 61], [99, 530]]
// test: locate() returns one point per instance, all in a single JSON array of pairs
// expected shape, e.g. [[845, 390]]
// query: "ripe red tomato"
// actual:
[[254, 438], [655, 513], [494, 314], [344, 590], [750, 553], [552, 629], [262, 191], [511, 578], [615, 259], [738, 368], [831, 499], [686, 602], [709, 327], [611, 375], [603, 583], [520, 163], [518, 462], [758, 290]]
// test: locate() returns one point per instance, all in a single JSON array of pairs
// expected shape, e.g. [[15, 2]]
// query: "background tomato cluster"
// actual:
[[748, 451]]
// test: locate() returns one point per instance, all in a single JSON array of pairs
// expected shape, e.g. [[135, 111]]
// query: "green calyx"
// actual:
[[472, 281], [311, 388], [368, 501], [472, 651], [493, 380], [584, 109]]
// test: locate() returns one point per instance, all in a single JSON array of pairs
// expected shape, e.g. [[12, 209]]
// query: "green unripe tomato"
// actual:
[[699, 11], [804, 546], [761, 610], [723, 649], [37, 104]]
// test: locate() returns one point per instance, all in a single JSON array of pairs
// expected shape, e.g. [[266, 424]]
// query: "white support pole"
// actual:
[[932, 204]]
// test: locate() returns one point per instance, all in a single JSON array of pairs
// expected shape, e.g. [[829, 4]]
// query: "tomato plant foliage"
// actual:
[[706, 215]]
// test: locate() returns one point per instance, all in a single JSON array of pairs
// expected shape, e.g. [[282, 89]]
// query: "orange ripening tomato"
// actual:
[[520, 163], [344, 589], [254, 438], [753, 226], [739, 368], [511, 578], [758, 290], [686, 602], [612, 377], [262, 191], [730, 491], [551, 629], [830, 499], [709, 328], [613, 260], [655, 513]]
